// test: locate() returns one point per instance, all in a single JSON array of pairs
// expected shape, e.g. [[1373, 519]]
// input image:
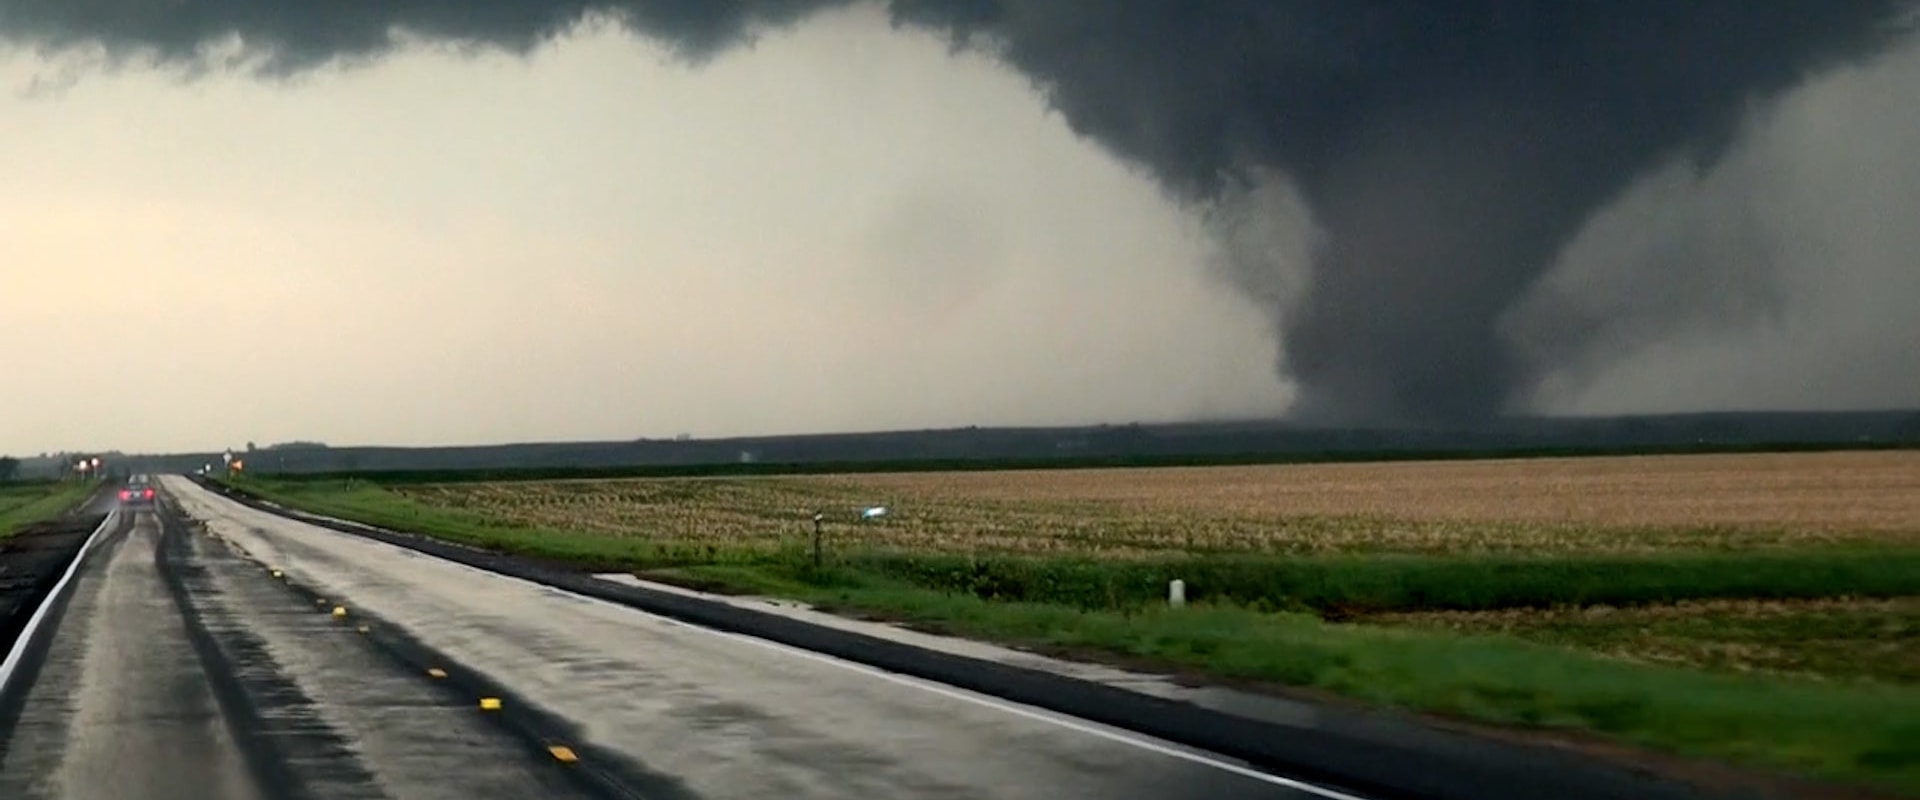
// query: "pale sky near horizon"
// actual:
[[843, 227]]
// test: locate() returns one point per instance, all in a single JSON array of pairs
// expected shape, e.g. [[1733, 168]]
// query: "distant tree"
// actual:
[[9, 467], [250, 447]]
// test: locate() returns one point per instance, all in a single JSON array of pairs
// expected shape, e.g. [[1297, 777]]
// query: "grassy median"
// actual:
[[25, 503], [1736, 615]]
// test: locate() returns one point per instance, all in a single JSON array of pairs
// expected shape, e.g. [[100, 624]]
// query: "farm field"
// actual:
[[1614, 505], [1758, 608]]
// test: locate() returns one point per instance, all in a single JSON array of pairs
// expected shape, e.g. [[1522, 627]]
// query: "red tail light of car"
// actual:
[[126, 495], [149, 494]]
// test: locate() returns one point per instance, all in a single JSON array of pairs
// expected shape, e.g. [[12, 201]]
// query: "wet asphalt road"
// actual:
[[183, 667], [178, 671], [112, 693]]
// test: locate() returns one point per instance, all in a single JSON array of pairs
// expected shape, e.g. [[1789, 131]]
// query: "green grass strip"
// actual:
[[23, 504], [1354, 585], [1858, 732]]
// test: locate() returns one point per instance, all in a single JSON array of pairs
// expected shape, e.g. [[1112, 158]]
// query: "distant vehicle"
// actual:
[[137, 492]]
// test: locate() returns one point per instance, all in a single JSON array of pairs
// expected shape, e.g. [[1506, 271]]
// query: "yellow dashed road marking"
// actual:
[[436, 672], [489, 704], [564, 755]]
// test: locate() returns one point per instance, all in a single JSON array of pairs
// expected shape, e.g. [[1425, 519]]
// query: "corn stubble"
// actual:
[[1547, 506]]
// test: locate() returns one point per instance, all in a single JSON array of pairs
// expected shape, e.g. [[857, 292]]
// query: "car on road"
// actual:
[[137, 492]]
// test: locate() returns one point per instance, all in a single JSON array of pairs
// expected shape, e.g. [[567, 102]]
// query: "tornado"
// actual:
[[1446, 151]]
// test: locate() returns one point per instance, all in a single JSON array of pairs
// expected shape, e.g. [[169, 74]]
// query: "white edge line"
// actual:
[[1087, 727], [1019, 709], [27, 633]]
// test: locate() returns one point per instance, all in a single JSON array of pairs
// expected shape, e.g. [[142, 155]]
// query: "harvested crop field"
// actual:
[[1583, 505], [1813, 491]]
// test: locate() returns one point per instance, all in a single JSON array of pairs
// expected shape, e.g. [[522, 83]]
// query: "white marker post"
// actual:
[[1177, 593], [817, 519]]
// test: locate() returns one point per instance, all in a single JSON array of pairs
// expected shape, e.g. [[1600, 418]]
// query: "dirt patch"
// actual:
[[31, 561]]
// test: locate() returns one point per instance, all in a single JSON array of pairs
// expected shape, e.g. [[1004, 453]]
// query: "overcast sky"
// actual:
[[843, 227]]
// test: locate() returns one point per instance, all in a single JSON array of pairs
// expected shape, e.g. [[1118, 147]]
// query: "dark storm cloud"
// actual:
[[1447, 151], [288, 35]]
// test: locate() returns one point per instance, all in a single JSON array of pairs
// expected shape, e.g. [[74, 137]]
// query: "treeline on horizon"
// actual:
[[736, 469], [1132, 445]]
